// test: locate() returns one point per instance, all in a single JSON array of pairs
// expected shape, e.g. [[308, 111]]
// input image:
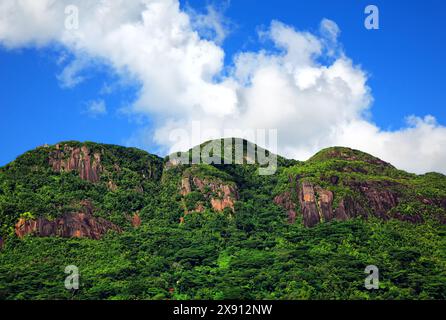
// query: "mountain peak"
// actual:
[[348, 154]]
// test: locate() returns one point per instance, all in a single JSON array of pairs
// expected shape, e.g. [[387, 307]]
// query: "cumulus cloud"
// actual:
[[306, 87], [212, 25]]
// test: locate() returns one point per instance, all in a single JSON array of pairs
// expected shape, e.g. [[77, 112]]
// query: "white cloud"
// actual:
[[71, 73], [96, 108], [183, 78], [419, 147], [212, 25]]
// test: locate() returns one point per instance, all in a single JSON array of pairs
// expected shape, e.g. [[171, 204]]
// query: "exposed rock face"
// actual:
[[220, 195], [325, 202], [349, 208], [221, 204], [72, 225], [316, 203], [308, 205], [86, 163], [186, 187], [285, 201], [136, 220], [379, 195], [342, 212]]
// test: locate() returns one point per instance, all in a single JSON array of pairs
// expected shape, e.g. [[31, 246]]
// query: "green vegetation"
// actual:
[[250, 254], [424, 195], [30, 185]]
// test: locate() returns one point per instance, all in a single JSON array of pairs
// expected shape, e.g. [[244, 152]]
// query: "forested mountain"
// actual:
[[142, 227]]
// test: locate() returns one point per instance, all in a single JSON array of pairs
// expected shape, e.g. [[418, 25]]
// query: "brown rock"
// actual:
[[325, 203], [379, 196], [308, 204], [185, 186], [316, 204], [285, 201], [220, 195], [68, 159], [349, 208], [341, 212], [72, 225], [221, 204], [201, 184], [136, 220], [226, 197]]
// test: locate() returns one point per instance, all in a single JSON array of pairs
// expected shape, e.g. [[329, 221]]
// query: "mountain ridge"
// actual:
[[359, 183], [141, 228]]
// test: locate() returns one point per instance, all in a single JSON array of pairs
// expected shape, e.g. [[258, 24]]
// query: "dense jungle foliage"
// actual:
[[251, 252]]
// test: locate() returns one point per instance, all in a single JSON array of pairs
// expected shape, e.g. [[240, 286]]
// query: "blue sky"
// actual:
[[403, 61], [405, 58]]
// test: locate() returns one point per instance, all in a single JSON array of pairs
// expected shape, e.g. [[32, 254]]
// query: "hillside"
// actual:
[[142, 227]]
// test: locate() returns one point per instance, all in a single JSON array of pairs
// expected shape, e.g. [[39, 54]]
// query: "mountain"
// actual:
[[139, 226]]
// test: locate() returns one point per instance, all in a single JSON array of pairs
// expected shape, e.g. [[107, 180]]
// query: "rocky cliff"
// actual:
[[70, 225], [49, 191], [341, 184], [336, 184], [80, 159], [316, 204], [305, 232], [219, 194]]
